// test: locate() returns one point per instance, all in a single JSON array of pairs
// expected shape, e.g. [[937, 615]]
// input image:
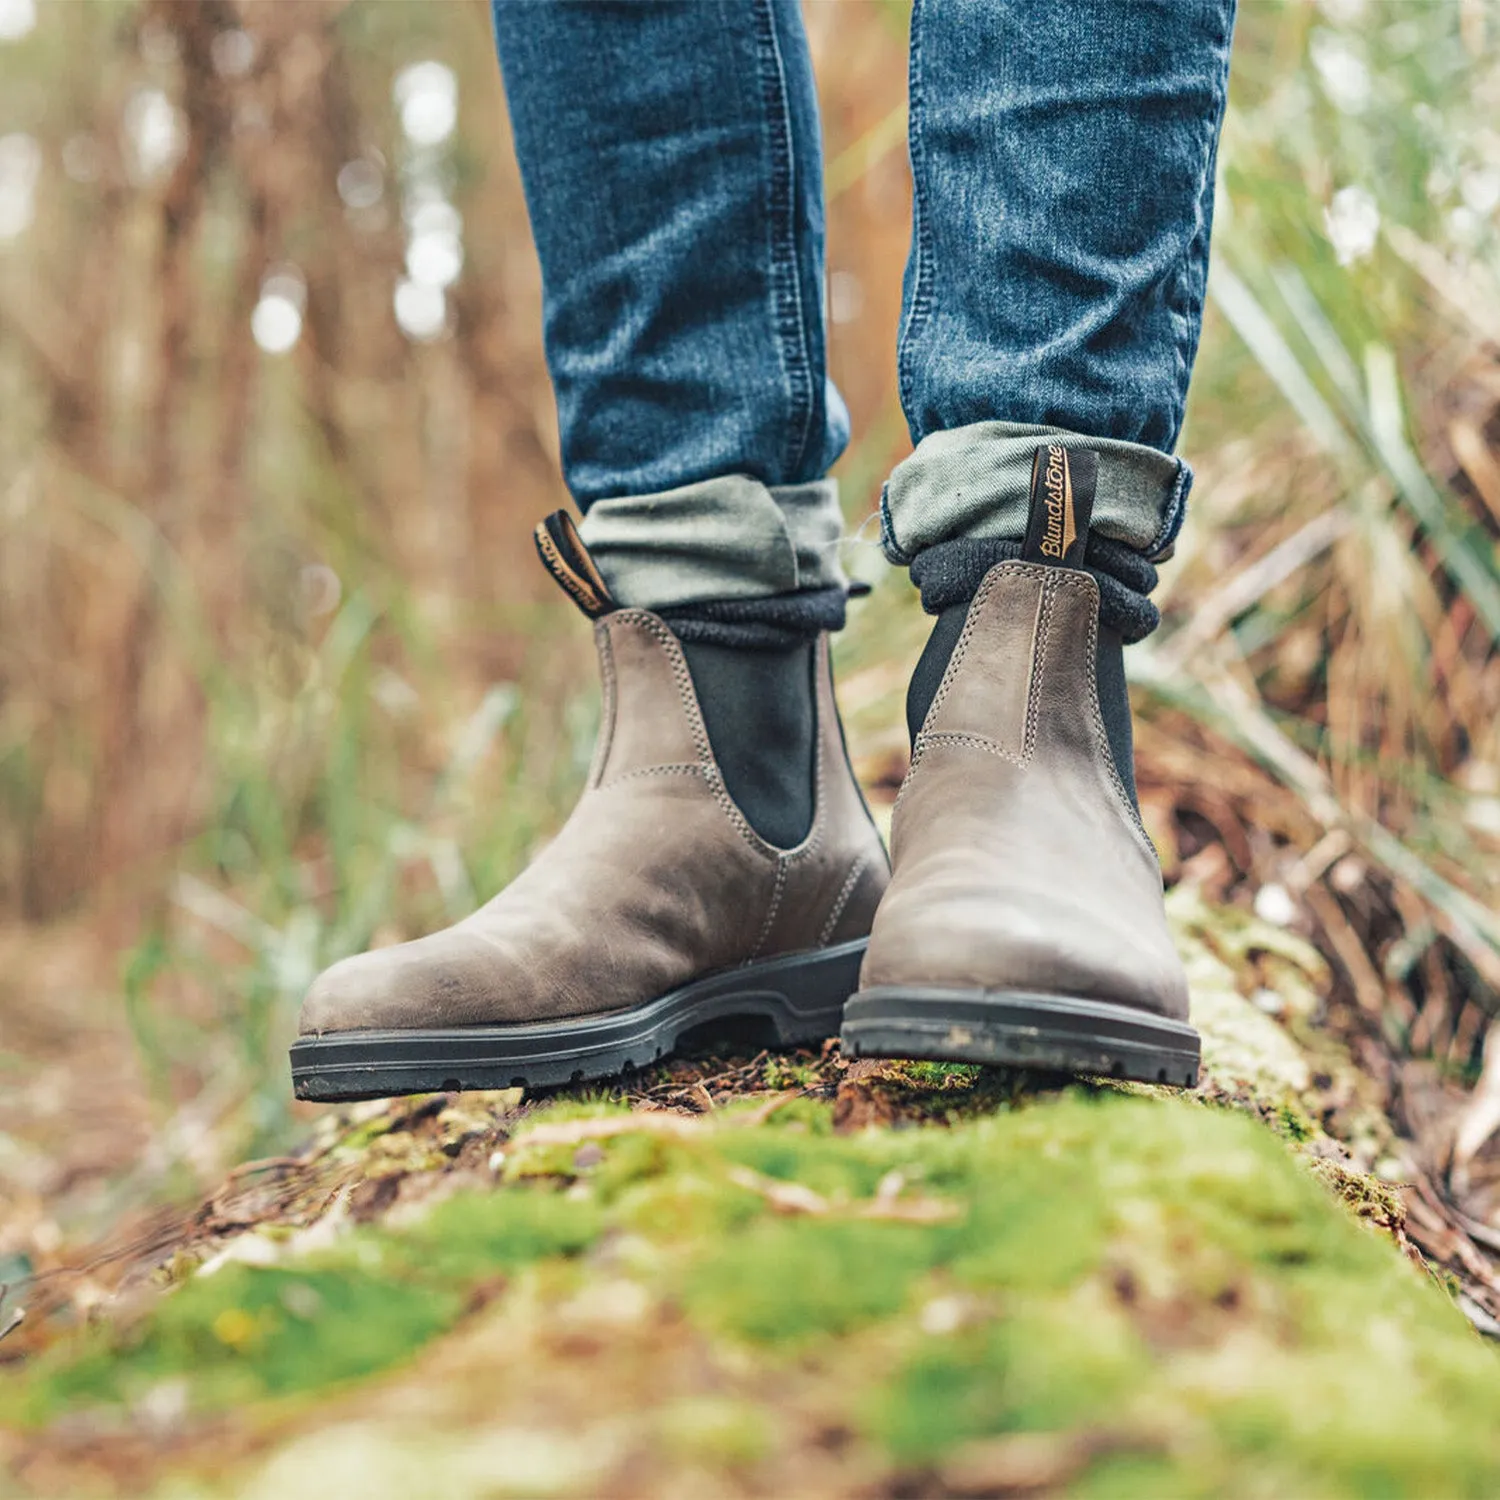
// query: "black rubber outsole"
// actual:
[[1051, 1033], [783, 1002]]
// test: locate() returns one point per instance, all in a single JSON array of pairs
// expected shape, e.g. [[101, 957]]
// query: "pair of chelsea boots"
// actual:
[[1018, 921]]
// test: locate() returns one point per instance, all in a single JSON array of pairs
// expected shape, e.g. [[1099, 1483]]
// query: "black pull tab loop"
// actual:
[[564, 556]]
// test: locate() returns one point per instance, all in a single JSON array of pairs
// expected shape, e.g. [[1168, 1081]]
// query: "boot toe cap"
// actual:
[[434, 982], [1029, 942], [354, 994]]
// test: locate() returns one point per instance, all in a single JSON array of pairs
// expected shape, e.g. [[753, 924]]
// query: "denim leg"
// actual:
[[1063, 159], [671, 159]]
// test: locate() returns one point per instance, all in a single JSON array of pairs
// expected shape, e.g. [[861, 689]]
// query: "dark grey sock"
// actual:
[[1109, 665], [759, 710], [951, 573]]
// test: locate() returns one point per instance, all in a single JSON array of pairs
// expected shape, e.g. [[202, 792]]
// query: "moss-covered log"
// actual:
[[785, 1277]]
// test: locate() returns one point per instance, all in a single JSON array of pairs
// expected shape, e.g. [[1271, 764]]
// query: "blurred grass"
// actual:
[[277, 678]]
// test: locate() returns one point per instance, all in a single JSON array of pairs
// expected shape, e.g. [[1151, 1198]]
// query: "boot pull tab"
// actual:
[[564, 556], [1063, 481]]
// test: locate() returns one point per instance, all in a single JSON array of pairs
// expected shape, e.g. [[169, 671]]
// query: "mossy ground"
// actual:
[[898, 1281], [1154, 1295]]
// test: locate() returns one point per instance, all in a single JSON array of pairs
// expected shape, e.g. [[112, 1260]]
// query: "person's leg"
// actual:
[[1063, 162], [721, 863], [671, 158]]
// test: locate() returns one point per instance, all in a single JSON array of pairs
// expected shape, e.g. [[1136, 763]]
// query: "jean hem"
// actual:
[[727, 538], [975, 482]]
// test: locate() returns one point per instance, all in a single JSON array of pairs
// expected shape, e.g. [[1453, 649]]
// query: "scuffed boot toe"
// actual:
[[456, 977]]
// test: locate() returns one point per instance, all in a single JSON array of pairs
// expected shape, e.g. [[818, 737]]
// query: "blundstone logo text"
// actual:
[[1057, 495]]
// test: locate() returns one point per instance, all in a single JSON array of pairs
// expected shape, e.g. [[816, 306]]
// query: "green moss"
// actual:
[[631, 1159], [243, 1334], [825, 1164], [716, 1432], [800, 1116], [1163, 1288], [1294, 1124], [1366, 1197], [952, 1093], [589, 1105], [1225, 1300], [784, 1073], [362, 1136], [687, 1207], [1046, 1368], [1142, 1475], [246, 1333], [472, 1236], [792, 1281]]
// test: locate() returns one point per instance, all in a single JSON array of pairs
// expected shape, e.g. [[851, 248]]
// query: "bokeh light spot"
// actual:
[[434, 259], [1352, 221], [276, 323], [20, 167], [17, 19], [156, 132], [233, 53], [426, 93], [421, 311], [361, 183]]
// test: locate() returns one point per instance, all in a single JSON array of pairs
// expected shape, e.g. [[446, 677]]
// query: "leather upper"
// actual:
[[1019, 860], [655, 880]]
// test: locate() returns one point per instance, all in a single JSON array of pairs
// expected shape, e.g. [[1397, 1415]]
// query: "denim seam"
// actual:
[[921, 233], [895, 553], [786, 290], [1171, 520], [1193, 275]]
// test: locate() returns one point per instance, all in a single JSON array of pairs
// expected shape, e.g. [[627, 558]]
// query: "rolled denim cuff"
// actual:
[[726, 538], [975, 482]]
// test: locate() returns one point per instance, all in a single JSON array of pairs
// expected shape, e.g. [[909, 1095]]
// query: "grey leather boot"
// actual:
[[1024, 921], [656, 912]]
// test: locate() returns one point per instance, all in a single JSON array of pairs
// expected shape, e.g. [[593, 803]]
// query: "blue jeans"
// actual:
[[1062, 157]]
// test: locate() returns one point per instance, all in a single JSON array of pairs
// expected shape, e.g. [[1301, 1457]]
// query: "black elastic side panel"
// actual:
[[759, 709], [927, 675], [1114, 706]]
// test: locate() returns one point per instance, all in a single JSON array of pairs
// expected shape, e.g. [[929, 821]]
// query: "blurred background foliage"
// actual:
[[279, 679]]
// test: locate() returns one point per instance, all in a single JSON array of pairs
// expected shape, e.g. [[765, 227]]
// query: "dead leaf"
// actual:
[[784, 1197], [1480, 1118]]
